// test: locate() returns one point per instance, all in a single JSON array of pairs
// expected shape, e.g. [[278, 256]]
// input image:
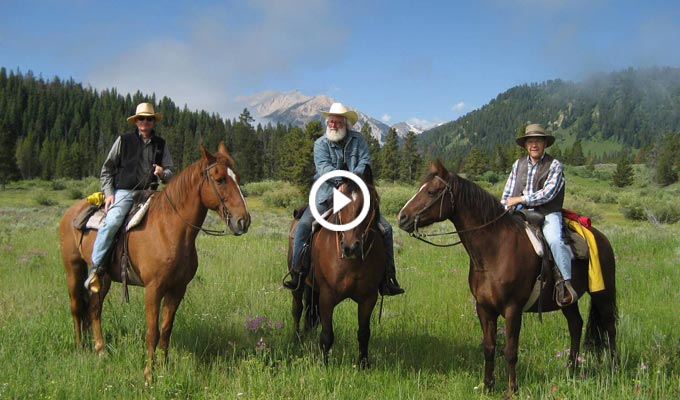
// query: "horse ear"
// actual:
[[206, 155], [438, 168], [368, 175], [223, 149]]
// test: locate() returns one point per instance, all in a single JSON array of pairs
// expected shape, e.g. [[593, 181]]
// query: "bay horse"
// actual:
[[347, 264], [161, 249], [504, 268]]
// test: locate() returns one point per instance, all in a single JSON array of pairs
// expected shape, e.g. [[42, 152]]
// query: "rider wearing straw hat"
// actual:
[[136, 161], [340, 147]]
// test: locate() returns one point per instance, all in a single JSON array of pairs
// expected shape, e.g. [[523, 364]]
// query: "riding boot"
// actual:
[[389, 286], [565, 293], [299, 270], [93, 282]]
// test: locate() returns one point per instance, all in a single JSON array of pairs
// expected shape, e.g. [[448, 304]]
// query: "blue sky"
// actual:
[[419, 61]]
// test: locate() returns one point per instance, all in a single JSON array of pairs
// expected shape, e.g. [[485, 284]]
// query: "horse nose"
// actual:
[[352, 251], [243, 224], [403, 220]]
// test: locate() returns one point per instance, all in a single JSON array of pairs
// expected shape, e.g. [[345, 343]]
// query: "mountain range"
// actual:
[[296, 109], [606, 112]]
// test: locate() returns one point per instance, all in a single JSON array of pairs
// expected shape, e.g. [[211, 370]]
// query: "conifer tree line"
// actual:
[[51, 129]]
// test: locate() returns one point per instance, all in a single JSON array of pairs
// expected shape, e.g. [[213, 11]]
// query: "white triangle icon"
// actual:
[[339, 200]]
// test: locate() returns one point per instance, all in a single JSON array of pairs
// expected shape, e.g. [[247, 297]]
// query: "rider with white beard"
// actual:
[[339, 148]]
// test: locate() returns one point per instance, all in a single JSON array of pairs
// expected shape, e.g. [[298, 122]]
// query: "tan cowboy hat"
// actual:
[[144, 109], [342, 110], [535, 130]]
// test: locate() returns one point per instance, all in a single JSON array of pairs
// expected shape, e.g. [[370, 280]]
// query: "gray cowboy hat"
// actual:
[[535, 130]]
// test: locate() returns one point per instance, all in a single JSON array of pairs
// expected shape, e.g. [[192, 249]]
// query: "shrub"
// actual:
[[286, 197], [260, 188], [58, 185], [75, 194], [44, 199], [393, 198]]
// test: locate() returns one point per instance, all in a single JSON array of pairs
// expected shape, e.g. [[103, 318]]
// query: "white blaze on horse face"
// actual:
[[232, 175], [411, 199]]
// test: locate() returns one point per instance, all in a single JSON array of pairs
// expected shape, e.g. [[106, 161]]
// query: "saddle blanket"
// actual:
[[595, 279]]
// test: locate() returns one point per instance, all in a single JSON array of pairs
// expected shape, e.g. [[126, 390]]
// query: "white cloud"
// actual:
[[459, 107], [221, 57], [386, 118]]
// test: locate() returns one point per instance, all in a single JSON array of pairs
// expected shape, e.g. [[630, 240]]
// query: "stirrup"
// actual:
[[93, 282], [390, 287], [560, 288], [292, 284]]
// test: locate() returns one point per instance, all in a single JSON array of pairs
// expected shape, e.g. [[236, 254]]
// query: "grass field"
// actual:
[[233, 335]]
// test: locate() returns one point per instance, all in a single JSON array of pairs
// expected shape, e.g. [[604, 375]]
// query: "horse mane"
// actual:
[[180, 188], [473, 197]]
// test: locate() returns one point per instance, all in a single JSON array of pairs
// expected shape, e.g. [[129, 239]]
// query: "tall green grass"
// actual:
[[233, 336]]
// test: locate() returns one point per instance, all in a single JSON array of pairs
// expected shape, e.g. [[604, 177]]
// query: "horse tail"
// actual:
[[603, 315]]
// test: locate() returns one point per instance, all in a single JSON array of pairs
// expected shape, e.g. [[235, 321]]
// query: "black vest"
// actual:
[[539, 180], [132, 172]]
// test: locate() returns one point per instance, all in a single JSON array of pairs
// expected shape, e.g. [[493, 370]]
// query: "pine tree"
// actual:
[[390, 157], [624, 174], [8, 165], [476, 163], [410, 159], [373, 149]]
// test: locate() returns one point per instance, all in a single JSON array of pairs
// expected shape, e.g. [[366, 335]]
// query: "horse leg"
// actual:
[[297, 311], [171, 303], [96, 304], [488, 321], [365, 309], [75, 276], [326, 308], [575, 323], [152, 303], [513, 325], [311, 309]]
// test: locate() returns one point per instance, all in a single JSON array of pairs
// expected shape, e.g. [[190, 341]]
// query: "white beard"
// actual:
[[336, 135]]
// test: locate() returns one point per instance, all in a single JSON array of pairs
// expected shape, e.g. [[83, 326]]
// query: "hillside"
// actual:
[[631, 108]]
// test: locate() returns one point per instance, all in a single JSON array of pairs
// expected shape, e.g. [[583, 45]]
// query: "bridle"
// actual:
[[440, 197], [224, 211], [362, 237]]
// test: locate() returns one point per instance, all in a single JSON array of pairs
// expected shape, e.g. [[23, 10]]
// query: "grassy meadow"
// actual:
[[233, 335]]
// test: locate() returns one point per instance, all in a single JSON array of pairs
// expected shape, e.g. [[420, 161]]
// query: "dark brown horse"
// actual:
[[161, 250], [348, 264], [504, 267]]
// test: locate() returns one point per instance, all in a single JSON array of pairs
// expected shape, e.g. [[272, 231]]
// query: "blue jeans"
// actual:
[[552, 230], [119, 209], [304, 228]]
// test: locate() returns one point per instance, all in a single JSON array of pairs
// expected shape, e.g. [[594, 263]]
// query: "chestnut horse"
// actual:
[[504, 267], [347, 264], [161, 249]]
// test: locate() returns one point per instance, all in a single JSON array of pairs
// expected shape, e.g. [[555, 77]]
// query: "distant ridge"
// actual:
[[295, 108]]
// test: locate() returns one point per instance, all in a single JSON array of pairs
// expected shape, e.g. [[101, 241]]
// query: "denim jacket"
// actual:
[[330, 156]]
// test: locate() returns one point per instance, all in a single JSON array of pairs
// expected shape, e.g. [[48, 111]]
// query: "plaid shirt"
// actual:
[[532, 197]]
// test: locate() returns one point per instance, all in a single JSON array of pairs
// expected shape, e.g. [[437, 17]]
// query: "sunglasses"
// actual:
[[152, 119]]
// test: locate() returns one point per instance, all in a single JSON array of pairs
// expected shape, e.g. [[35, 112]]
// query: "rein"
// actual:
[[440, 196], [224, 211], [363, 236]]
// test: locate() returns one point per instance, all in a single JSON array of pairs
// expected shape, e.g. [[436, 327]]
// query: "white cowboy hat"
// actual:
[[535, 130], [342, 110], [144, 109]]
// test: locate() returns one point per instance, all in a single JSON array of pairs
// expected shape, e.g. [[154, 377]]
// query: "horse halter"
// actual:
[[362, 237], [440, 198], [224, 211]]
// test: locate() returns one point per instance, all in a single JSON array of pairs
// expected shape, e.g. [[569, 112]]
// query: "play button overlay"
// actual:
[[339, 200]]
